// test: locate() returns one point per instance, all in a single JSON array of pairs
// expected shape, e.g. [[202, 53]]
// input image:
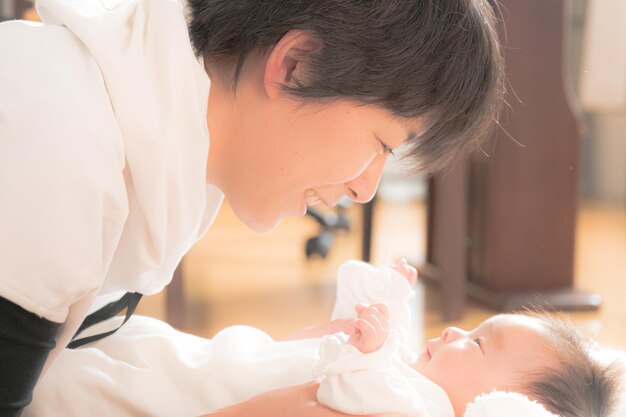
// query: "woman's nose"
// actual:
[[452, 333], [362, 188]]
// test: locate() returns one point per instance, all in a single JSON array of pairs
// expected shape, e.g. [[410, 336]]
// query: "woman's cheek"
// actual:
[[352, 168]]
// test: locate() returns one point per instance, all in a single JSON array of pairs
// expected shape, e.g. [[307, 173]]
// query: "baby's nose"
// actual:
[[452, 333]]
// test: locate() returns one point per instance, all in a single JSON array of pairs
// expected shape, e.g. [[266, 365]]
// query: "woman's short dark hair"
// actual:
[[438, 59]]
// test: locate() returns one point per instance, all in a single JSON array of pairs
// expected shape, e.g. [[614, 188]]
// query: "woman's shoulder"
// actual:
[[56, 119]]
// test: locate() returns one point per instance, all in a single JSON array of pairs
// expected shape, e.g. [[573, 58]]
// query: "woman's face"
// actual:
[[269, 152]]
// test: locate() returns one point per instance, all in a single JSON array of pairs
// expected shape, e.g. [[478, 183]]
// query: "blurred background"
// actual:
[[235, 276]]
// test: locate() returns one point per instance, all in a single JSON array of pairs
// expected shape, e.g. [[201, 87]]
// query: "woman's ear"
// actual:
[[288, 61]]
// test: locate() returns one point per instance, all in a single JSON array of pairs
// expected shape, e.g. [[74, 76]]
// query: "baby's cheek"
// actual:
[[452, 372]]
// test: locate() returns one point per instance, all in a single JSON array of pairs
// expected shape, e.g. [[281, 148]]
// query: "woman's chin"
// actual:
[[258, 222], [265, 219], [259, 225], [262, 227]]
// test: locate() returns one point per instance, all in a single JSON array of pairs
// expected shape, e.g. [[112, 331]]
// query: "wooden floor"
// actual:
[[234, 276]]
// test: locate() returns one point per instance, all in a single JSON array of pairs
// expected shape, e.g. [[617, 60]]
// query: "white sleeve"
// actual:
[[62, 196], [356, 383], [359, 282]]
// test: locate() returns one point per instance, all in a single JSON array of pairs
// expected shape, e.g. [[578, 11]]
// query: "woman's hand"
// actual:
[[295, 401], [370, 328]]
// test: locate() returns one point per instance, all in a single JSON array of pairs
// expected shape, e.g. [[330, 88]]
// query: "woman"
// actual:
[[106, 173]]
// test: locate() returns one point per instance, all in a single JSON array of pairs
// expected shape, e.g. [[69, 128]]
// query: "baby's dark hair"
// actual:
[[578, 385], [436, 59]]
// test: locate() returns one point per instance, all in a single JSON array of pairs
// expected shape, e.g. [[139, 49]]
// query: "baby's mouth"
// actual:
[[312, 198]]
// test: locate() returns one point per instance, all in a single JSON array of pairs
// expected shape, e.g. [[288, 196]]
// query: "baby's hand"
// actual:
[[370, 328], [409, 272]]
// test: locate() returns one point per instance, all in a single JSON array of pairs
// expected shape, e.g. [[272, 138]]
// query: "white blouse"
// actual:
[[103, 149]]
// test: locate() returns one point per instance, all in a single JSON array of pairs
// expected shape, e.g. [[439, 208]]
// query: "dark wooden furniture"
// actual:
[[20, 6], [502, 228], [176, 304], [367, 223]]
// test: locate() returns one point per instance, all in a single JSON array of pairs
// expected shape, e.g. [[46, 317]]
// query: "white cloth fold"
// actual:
[[509, 404], [376, 382], [150, 369], [361, 283]]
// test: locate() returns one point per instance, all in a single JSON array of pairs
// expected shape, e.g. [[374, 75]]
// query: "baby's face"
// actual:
[[498, 354]]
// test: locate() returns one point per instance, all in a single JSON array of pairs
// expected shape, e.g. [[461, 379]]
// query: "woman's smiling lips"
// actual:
[[312, 198]]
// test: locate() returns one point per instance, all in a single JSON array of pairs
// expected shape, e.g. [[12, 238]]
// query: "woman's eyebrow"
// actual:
[[410, 136]]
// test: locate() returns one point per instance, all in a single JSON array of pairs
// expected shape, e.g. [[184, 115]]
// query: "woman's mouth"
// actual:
[[312, 198]]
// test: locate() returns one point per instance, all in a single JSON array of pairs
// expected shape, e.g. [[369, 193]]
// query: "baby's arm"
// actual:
[[321, 330], [368, 331], [361, 283]]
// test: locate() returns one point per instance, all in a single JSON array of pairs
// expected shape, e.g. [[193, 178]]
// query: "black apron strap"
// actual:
[[129, 302]]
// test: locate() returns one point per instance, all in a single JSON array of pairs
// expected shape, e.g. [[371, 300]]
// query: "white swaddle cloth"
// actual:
[[509, 404], [362, 283], [148, 368], [381, 381], [377, 382]]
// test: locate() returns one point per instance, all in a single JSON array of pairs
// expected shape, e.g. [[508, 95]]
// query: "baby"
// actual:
[[543, 359], [361, 359]]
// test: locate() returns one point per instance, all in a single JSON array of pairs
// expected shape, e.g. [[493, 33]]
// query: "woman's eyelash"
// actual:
[[387, 149]]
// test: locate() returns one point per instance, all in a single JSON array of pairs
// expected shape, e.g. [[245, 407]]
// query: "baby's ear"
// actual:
[[509, 404]]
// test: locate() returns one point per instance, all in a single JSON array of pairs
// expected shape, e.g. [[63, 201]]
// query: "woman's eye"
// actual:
[[387, 149]]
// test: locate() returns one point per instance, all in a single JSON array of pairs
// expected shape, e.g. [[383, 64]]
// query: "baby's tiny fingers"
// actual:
[[359, 307], [367, 329], [381, 319], [382, 308], [375, 321]]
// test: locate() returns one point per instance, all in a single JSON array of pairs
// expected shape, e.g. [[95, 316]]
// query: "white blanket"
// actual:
[[149, 369]]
